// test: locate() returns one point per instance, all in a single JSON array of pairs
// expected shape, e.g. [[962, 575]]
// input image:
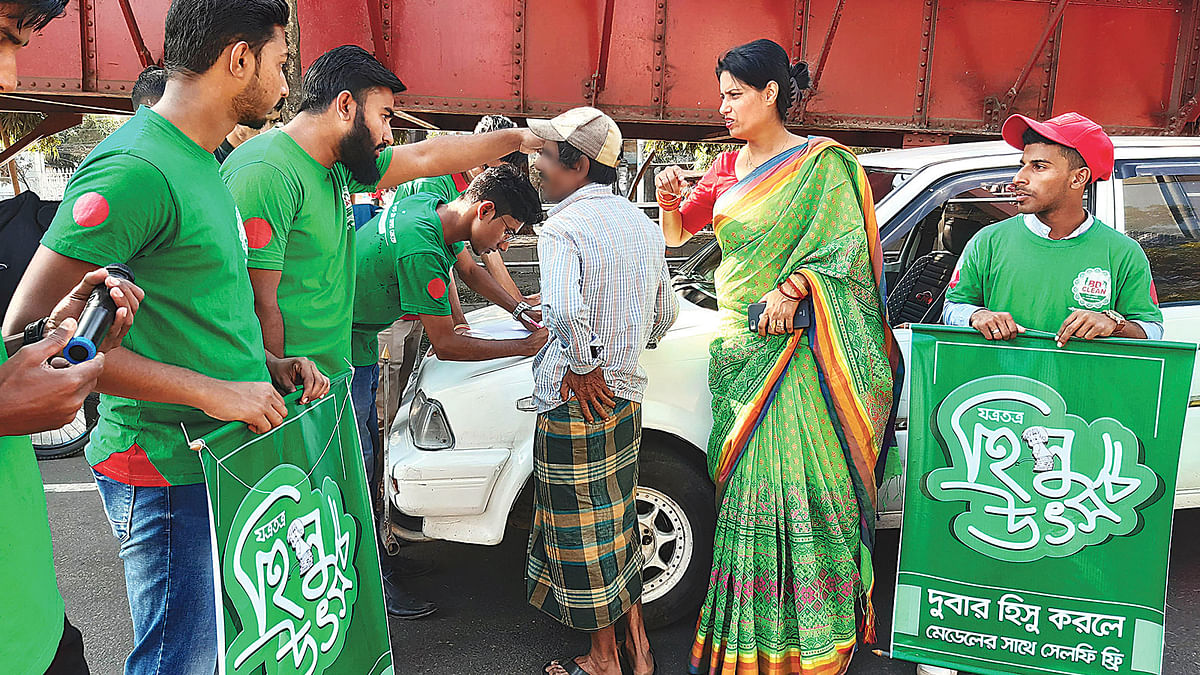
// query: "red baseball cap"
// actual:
[[1072, 130]]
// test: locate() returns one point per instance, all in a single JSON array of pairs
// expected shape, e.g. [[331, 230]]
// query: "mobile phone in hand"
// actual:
[[802, 318]]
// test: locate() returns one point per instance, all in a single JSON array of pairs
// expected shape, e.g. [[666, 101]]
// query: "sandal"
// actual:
[[568, 665]]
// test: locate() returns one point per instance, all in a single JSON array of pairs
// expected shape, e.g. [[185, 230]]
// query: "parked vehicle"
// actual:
[[461, 446]]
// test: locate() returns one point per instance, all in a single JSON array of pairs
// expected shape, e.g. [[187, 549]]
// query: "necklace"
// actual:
[[752, 165]]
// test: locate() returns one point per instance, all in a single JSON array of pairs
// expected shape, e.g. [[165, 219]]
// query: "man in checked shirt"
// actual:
[[606, 294]]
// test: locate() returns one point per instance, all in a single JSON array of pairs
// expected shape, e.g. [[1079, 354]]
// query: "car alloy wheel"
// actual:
[[667, 541]]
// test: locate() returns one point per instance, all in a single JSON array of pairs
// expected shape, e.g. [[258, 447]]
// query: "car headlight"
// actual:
[[428, 424]]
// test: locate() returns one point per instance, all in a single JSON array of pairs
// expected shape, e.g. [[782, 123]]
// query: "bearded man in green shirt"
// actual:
[[1055, 267], [293, 188]]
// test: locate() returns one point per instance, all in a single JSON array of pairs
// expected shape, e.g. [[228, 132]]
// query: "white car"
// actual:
[[461, 447]]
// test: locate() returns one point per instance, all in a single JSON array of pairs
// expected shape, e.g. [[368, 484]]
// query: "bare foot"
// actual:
[[640, 657], [590, 664]]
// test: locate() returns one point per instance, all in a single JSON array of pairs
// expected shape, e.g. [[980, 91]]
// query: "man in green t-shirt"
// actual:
[[150, 196], [293, 187], [1055, 267], [404, 257], [492, 282], [449, 188]]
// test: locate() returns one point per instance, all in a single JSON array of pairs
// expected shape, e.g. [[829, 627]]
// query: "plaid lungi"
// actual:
[[585, 560]]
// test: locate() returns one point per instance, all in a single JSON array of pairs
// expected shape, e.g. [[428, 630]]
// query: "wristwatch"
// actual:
[[520, 309], [1121, 323]]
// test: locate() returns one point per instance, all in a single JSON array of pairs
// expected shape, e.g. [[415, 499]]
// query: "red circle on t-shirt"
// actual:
[[258, 232], [90, 210], [436, 288]]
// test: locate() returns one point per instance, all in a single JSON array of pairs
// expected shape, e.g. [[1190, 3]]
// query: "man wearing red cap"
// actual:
[[1054, 267]]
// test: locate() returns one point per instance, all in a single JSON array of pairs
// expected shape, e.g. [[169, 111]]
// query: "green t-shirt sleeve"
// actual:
[[966, 284], [1133, 300], [268, 206], [114, 209], [424, 285], [382, 162]]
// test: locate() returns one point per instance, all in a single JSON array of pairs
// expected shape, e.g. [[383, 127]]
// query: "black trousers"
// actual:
[[68, 660]]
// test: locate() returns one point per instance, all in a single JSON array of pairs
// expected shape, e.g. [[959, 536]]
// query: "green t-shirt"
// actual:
[[149, 197], [1007, 268], [403, 268], [448, 188], [32, 620], [299, 220]]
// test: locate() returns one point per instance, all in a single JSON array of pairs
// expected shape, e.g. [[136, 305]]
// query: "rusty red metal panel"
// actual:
[[117, 58], [892, 67], [871, 75], [325, 25], [698, 33], [1119, 62], [978, 53], [453, 52]]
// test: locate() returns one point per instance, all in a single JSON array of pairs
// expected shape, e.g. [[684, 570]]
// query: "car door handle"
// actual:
[[526, 404]]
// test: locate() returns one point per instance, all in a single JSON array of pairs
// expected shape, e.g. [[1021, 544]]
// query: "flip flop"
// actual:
[[568, 665]]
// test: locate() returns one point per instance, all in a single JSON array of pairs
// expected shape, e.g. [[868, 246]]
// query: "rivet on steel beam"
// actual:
[[386, 36], [517, 76], [474, 105], [518, 29], [516, 93], [658, 67]]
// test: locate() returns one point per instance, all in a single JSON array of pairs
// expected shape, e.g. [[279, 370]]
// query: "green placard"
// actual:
[[297, 567], [1039, 493]]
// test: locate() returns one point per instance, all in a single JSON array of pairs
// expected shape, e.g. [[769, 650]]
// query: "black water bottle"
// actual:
[[97, 317]]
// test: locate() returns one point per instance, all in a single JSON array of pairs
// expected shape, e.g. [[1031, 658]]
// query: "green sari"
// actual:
[[798, 421]]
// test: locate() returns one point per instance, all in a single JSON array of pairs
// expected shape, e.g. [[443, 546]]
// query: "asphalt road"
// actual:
[[484, 624]]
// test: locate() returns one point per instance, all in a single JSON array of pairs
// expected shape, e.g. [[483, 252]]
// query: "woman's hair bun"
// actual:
[[800, 80]]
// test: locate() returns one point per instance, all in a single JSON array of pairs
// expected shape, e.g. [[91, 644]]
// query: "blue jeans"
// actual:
[[363, 389], [167, 554]]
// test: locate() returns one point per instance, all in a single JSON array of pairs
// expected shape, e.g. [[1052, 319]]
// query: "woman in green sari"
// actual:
[[799, 413]]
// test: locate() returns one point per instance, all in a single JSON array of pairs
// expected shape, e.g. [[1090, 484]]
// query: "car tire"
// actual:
[[676, 516], [71, 439]]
